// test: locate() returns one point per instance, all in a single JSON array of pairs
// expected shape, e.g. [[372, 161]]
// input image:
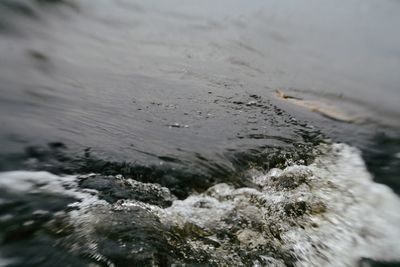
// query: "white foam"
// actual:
[[362, 218], [348, 216], [28, 181], [42, 181], [357, 217]]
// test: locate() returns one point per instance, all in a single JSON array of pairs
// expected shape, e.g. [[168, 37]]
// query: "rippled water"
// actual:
[[178, 97]]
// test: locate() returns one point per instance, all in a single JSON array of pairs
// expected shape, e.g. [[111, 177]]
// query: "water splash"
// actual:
[[328, 213]]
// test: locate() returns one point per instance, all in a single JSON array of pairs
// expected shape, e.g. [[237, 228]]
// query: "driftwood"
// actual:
[[321, 108]]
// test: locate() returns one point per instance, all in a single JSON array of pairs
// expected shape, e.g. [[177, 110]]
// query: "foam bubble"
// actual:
[[329, 213]]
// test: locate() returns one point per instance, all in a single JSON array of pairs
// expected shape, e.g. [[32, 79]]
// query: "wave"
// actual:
[[328, 213]]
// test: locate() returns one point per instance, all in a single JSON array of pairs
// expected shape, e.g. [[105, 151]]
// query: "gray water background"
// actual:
[[153, 82]]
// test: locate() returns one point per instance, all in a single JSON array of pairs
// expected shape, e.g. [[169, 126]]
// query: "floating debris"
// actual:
[[321, 108]]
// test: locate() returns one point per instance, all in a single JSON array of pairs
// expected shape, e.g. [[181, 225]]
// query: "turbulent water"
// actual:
[[328, 213], [151, 134]]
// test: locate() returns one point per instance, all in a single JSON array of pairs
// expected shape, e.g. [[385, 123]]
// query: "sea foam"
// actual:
[[329, 213]]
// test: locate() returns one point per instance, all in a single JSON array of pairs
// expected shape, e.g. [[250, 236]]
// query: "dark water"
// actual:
[[179, 84], [182, 93]]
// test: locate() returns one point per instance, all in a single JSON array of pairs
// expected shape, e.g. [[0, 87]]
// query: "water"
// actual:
[[327, 213], [182, 94]]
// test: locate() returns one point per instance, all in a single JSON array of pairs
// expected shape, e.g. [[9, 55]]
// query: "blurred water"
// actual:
[[182, 93], [156, 82], [83, 64]]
